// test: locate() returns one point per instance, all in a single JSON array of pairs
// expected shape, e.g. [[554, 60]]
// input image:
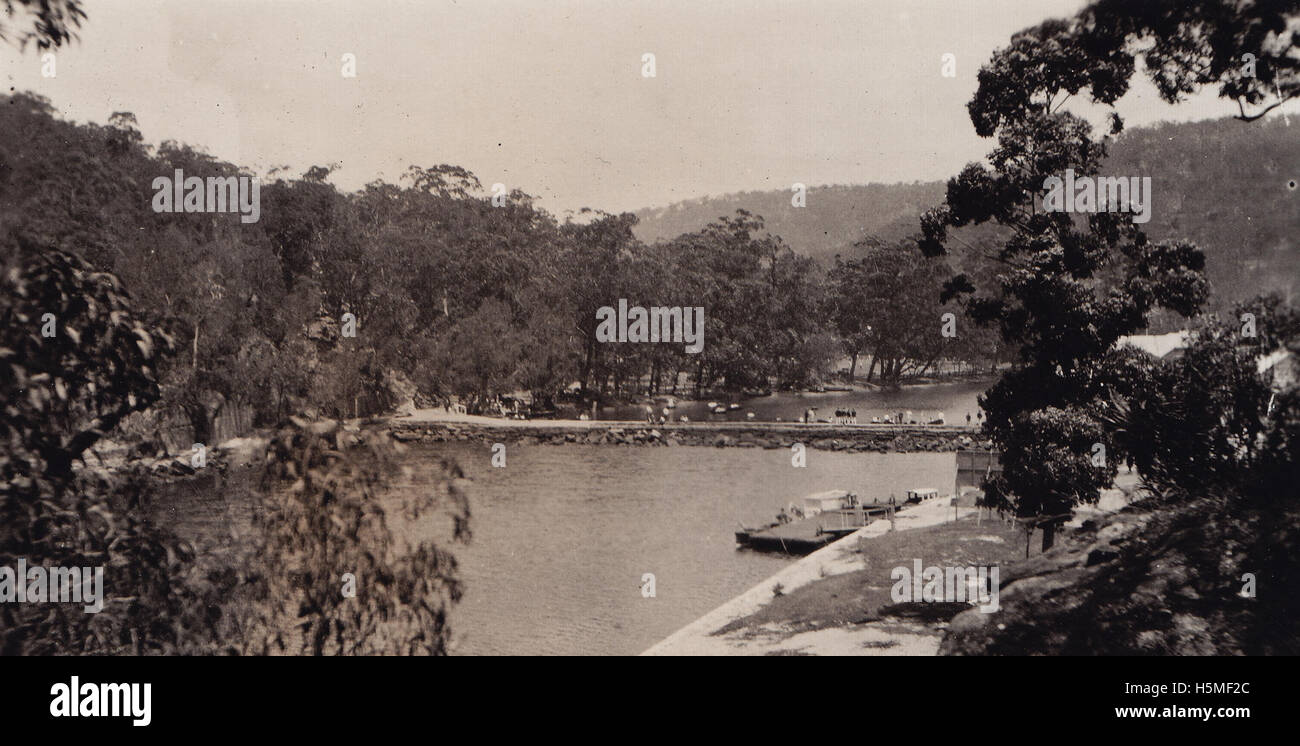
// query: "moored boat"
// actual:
[[822, 518]]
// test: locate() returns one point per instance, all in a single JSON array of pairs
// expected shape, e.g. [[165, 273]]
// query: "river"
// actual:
[[563, 535]]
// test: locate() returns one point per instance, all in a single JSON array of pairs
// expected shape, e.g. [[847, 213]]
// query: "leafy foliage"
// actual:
[[62, 394], [1070, 289], [49, 23], [323, 517], [885, 304], [1202, 421]]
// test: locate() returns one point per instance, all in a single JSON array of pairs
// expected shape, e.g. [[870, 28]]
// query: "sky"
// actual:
[[549, 96]]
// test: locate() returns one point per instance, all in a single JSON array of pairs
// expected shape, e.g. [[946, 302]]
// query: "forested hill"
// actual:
[[1225, 185], [835, 216]]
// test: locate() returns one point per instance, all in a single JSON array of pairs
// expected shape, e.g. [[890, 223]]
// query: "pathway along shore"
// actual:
[[435, 425]]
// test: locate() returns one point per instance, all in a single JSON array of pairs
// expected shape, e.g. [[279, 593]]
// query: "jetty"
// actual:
[[826, 517], [703, 637]]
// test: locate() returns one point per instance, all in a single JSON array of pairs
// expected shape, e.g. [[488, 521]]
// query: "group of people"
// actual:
[[842, 417], [662, 418]]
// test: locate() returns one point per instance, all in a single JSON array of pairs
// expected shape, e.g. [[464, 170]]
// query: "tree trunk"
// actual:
[[200, 423], [587, 364], [1049, 535], [853, 367]]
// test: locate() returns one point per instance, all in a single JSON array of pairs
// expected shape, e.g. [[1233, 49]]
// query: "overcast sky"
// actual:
[[548, 95]]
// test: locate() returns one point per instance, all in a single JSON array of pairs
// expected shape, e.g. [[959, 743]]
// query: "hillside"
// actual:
[[1161, 577], [1229, 187], [834, 218]]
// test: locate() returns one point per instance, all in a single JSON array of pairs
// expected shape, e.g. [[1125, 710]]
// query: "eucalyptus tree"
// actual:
[[1072, 287]]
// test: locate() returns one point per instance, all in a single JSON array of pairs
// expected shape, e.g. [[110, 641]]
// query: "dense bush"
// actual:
[[338, 570], [320, 515], [77, 360]]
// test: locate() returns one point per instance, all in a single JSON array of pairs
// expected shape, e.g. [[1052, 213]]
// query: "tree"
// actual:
[[52, 22], [78, 360], [594, 261], [850, 309], [1071, 289], [1202, 420], [324, 526], [479, 355], [888, 302]]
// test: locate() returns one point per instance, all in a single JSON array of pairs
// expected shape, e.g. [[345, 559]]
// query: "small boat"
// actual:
[[919, 495], [831, 500]]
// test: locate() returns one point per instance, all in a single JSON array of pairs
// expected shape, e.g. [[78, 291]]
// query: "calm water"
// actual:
[[925, 401], [563, 534]]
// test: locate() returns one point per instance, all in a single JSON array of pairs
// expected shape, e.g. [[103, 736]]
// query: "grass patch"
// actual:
[[864, 595]]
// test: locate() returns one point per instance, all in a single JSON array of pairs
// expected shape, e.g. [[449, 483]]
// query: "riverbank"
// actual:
[[837, 601], [435, 426], [724, 632], [1167, 575]]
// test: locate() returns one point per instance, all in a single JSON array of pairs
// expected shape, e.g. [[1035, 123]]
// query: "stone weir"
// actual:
[[820, 436]]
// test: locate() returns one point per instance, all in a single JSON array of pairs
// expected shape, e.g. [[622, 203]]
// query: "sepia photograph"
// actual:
[[623, 328]]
